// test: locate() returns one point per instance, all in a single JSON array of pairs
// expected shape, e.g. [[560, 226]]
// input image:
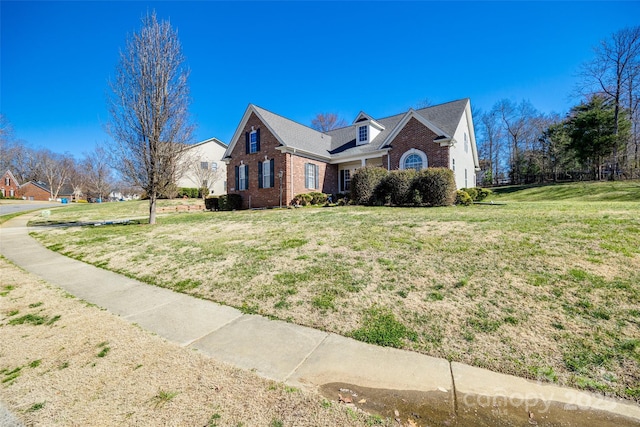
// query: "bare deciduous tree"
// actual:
[[327, 121], [614, 73], [202, 173], [97, 172], [149, 110], [54, 169]]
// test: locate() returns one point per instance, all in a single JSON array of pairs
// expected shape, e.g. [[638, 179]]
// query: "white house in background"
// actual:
[[205, 168]]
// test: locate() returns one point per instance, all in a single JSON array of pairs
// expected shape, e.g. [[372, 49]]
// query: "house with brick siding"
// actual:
[[271, 159], [9, 185], [38, 190]]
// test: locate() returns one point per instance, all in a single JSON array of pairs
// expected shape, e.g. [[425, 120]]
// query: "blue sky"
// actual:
[[296, 58]]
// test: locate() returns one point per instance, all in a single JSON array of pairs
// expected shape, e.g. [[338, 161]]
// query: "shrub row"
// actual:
[[313, 198], [427, 187], [225, 202], [466, 196], [193, 193]]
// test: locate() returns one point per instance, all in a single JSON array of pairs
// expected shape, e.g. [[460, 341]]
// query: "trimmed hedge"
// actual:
[[364, 183], [394, 189], [463, 198], [477, 194], [434, 187], [313, 198], [193, 193], [225, 202], [428, 187]]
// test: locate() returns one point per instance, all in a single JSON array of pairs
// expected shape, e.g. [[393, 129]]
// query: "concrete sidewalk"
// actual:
[[309, 358]]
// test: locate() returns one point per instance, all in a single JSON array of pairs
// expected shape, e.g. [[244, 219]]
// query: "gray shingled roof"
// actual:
[[295, 135], [342, 143]]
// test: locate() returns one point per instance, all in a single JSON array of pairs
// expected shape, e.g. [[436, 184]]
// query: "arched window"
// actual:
[[413, 159]]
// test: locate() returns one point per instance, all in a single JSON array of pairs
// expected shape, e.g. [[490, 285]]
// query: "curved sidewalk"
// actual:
[[306, 357]]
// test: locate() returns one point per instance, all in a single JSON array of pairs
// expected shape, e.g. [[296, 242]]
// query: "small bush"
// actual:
[[463, 198], [394, 188], [318, 198], [307, 199], [434, 187], [230, 202], [188, 192], [472, 192], [212, 203], [483, 193], [364, 183]]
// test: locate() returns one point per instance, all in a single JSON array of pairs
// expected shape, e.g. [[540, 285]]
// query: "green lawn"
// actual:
[[546, 286]]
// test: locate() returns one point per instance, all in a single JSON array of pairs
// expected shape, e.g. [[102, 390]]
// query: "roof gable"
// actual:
[[288, 133], [13, 178]]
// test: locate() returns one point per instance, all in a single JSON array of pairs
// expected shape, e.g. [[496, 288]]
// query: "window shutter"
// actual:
[[258, 139], [317, 183], [272, 175], [246, 176], [341, 183], [260, 175], [237, 178], [246, 142]]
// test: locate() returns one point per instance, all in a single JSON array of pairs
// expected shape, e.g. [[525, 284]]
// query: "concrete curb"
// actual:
[[302, 356]]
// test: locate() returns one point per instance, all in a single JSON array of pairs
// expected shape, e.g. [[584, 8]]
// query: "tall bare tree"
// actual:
[[327, 121], [149, 110], [97, 172], [614, 73], [490, 141], [55, 169]]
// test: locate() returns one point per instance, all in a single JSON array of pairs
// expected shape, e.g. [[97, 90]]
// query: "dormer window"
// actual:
[[363, 134], [366, 129]]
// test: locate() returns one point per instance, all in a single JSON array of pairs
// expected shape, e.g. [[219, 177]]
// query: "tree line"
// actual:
[[599, 138], [91, 176]]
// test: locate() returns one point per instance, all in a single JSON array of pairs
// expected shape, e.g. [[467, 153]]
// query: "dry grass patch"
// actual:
[[93, 368], [543, 290]]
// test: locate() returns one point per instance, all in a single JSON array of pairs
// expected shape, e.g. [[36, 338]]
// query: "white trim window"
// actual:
[[242, 177], [413, 159], [345, 180], [311, 176], [253, 142], [466, 143], [363, 134]]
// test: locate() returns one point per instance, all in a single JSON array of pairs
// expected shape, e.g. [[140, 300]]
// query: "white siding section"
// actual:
[[464, 159], [212, 152]]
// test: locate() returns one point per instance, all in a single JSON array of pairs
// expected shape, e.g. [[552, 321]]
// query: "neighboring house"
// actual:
[[9, 185], [270, 158], [205, 168], [38, 190]]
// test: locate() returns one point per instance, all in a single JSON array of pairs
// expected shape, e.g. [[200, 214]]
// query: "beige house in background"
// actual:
[[204, 167]]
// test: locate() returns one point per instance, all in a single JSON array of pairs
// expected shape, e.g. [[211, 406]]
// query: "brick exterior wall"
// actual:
[[418, 136], [413, 135], [30, 191], [8, 187], [255, 197], [327, 176]]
